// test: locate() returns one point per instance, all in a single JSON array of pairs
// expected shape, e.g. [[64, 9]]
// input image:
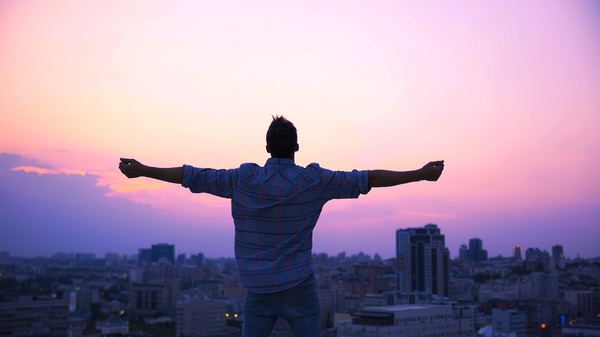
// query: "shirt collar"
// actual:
[[280, 161]]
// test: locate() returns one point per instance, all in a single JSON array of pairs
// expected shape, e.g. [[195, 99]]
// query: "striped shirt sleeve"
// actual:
[[221, 183], [343, 184]]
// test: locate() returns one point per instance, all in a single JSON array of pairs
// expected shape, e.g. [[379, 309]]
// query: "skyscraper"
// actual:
[[557, 251], [422, 260], [559, 256], [144, 257], [476, 251], [163, 250], [463, 253], [517, 253]]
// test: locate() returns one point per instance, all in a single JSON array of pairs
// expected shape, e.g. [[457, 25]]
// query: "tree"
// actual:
[[328, 322], [95, 309], [480, 277]]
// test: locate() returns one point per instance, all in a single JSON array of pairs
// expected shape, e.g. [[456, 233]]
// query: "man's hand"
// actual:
[[131, 168], [432, 170], [384, 178]]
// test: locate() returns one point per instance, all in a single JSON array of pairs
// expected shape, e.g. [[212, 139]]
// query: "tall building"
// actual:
[[517, 253], [476, 251], [163, 250], [180, 260], [144, 257], [422, 260], [200, 259], [557, 251], [559, 256], [463, 253]]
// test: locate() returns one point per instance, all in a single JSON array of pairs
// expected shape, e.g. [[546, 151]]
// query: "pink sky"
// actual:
[[507, 93]]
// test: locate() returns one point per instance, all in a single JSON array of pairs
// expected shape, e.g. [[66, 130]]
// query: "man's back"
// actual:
[[275, 209]]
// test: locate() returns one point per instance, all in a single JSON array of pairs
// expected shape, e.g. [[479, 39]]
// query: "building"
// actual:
[[149, 298], [508, 321], [144, 257], [75, 326], [539, 286], [517, 253], [332, 299], [82, 298], [375, 300], [113, 325], [200, 318], [33, 316], [536, 255], [506, 292], [163, 250], [476, 251], [197, 260], [557, 252], [559, 257], [408, 321], [180, 260], [422, 260], [463, 253], [583, 300], [582, 330]]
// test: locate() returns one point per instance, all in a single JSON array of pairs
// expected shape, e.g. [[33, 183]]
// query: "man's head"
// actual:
[[282, 139]]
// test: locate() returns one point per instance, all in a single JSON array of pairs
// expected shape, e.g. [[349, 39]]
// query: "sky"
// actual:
[[507, 93]]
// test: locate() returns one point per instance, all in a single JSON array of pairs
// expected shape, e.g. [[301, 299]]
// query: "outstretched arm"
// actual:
[[383, 178], [133, 169]]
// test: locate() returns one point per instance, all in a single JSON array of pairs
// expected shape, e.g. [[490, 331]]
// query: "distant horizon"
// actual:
[[188, 254]]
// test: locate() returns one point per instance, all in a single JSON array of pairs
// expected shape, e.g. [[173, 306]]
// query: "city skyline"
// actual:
[[505, 93], [129, 253]]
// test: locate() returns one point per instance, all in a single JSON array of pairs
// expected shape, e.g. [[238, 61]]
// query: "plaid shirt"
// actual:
[[275, 209]]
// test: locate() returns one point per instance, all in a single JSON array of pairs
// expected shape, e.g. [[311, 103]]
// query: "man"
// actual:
[[275, 209]]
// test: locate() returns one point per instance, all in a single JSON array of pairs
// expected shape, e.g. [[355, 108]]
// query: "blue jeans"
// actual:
[[299, 306]]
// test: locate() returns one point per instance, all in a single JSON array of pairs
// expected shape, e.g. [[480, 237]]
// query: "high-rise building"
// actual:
[[559, 256], [422, 260], [557, 251], [517, 253], [180, 260], [200, 259], [463, 253], [535, 254], [144, 257], [163, 250], [476, 251]]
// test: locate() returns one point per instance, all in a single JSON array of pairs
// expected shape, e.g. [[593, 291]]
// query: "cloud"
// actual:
[[43, 213], [46, 213]]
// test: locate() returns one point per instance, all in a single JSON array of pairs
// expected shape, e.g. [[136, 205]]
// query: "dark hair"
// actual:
[[282, 137]]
